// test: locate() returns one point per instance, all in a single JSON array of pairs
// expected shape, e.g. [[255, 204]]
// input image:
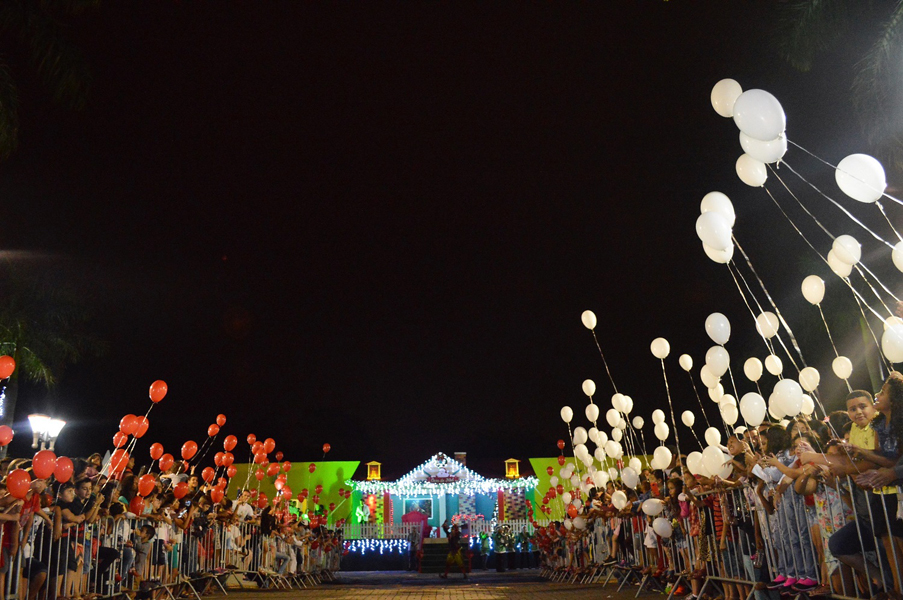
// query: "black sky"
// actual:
[[376, 225]]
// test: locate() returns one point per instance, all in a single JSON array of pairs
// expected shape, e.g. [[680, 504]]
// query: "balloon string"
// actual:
[[728, 428], [673, 420], [768, 345], [820, 159], [860, 267], [891, 225], [777, 311], [604, 362], [701, 447], [838, 205], [698, 399], [883, 360]]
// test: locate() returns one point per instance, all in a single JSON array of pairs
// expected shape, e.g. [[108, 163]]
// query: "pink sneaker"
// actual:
[[789, 582]]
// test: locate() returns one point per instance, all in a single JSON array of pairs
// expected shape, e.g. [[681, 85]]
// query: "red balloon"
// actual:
[[228, 459], [166, 462], [189, 449], [251, 439], [262, 500], [550, 470], [143, 424], [279, 456], [269, 445], [341, 492], [43, 464], [260, 458], [208, 474], [253, 493], [7, 366], [119, 460], [331, 506], [156, 450], [572, 511], [561, 444], [315, 499], [257, 448], [146, 484], [231, 471], [259, 474], [326, 448], [222, 482], [128, 424], [287, 492], [136, 506], [221, 420], [272, 469], [304, 493], [218, 459], [6, 435], [17, 483], [559, 489], [229, 443], [545, 500], [64, 468], [216, 494], [120, 439], [319, 489], [561, 460], [312, 467], [180, 490], [158, 390], [212, 430], [286, 466], [279, 484]]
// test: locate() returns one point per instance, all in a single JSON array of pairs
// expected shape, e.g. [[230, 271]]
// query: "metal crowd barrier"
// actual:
[[737, 542], [144, 558]]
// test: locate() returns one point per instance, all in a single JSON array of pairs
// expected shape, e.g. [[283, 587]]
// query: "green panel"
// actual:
[[330, 474]]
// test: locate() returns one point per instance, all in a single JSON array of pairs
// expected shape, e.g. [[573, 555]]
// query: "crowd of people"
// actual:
[[811, 507], [96, 535]]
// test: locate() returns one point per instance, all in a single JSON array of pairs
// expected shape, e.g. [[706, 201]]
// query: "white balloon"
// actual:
[[718, 360], [661, 431], [589, 319], [861, 177], [759, 115], [694, 463], [752, 368], [579, 523], [617, 401], [567, 414], [603, 437], [840, 268], [575, 481], [892, 321], [568, 524], [808, 405], [730, 414], [712, 436], [611, 448], [752, 407], [619, 500], [688, 418], [727, 400], [842, 367], [653, 507], [589, 387], [775, 408], [714, 231], [599, 454], [629, 477], [635, 464], [767, 324], [809, 379], [566, 497], [718, 328], [592, 413], [638, 422], [612, 416], [788, 388], [658, 416], [892, 343], [784, 423], [774, 365], [663, 456], [721, 204], [709, 379], [616, 434], [847, 249], [600, 478], [752, 172], [722, 257], [580, 450], [897, 256], [662, 527], [660, 348], [686, 362], [628, 405], [767, 152], [813, 289], [724, 95], [740, 430], [613, 472], [580, 436], [713, 459], [716, 393]]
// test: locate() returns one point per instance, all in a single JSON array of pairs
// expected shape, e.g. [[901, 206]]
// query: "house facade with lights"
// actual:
[[439, 489]]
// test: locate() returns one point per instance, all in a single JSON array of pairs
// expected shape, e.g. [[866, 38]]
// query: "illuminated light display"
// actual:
[[381, 546]]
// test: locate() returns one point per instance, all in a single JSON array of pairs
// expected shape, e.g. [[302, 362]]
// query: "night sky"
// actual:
[[376, 225]]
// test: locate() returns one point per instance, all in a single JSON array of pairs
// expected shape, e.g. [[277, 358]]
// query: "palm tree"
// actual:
[[43, 326], [35, 29], [809, 28]]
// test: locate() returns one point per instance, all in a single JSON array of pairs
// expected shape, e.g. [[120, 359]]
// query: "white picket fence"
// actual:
[[400, 531]]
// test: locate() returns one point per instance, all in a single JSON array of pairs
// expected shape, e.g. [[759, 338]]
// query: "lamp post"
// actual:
[[44, 430]]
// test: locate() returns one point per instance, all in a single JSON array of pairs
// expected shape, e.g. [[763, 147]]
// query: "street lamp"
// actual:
[[44, 430]]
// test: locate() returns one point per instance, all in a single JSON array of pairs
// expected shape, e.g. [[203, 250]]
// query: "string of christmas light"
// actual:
[[381, 546]]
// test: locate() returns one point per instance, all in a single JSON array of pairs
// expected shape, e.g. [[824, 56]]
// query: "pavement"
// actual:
[[488, 585]]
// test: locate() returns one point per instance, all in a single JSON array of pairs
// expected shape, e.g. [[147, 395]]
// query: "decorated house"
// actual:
[[439, 489]]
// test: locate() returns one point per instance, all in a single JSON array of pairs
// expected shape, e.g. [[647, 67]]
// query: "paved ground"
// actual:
[[412, 586]]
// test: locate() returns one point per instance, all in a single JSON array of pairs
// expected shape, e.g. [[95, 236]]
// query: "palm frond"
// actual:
[[806, 28]]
